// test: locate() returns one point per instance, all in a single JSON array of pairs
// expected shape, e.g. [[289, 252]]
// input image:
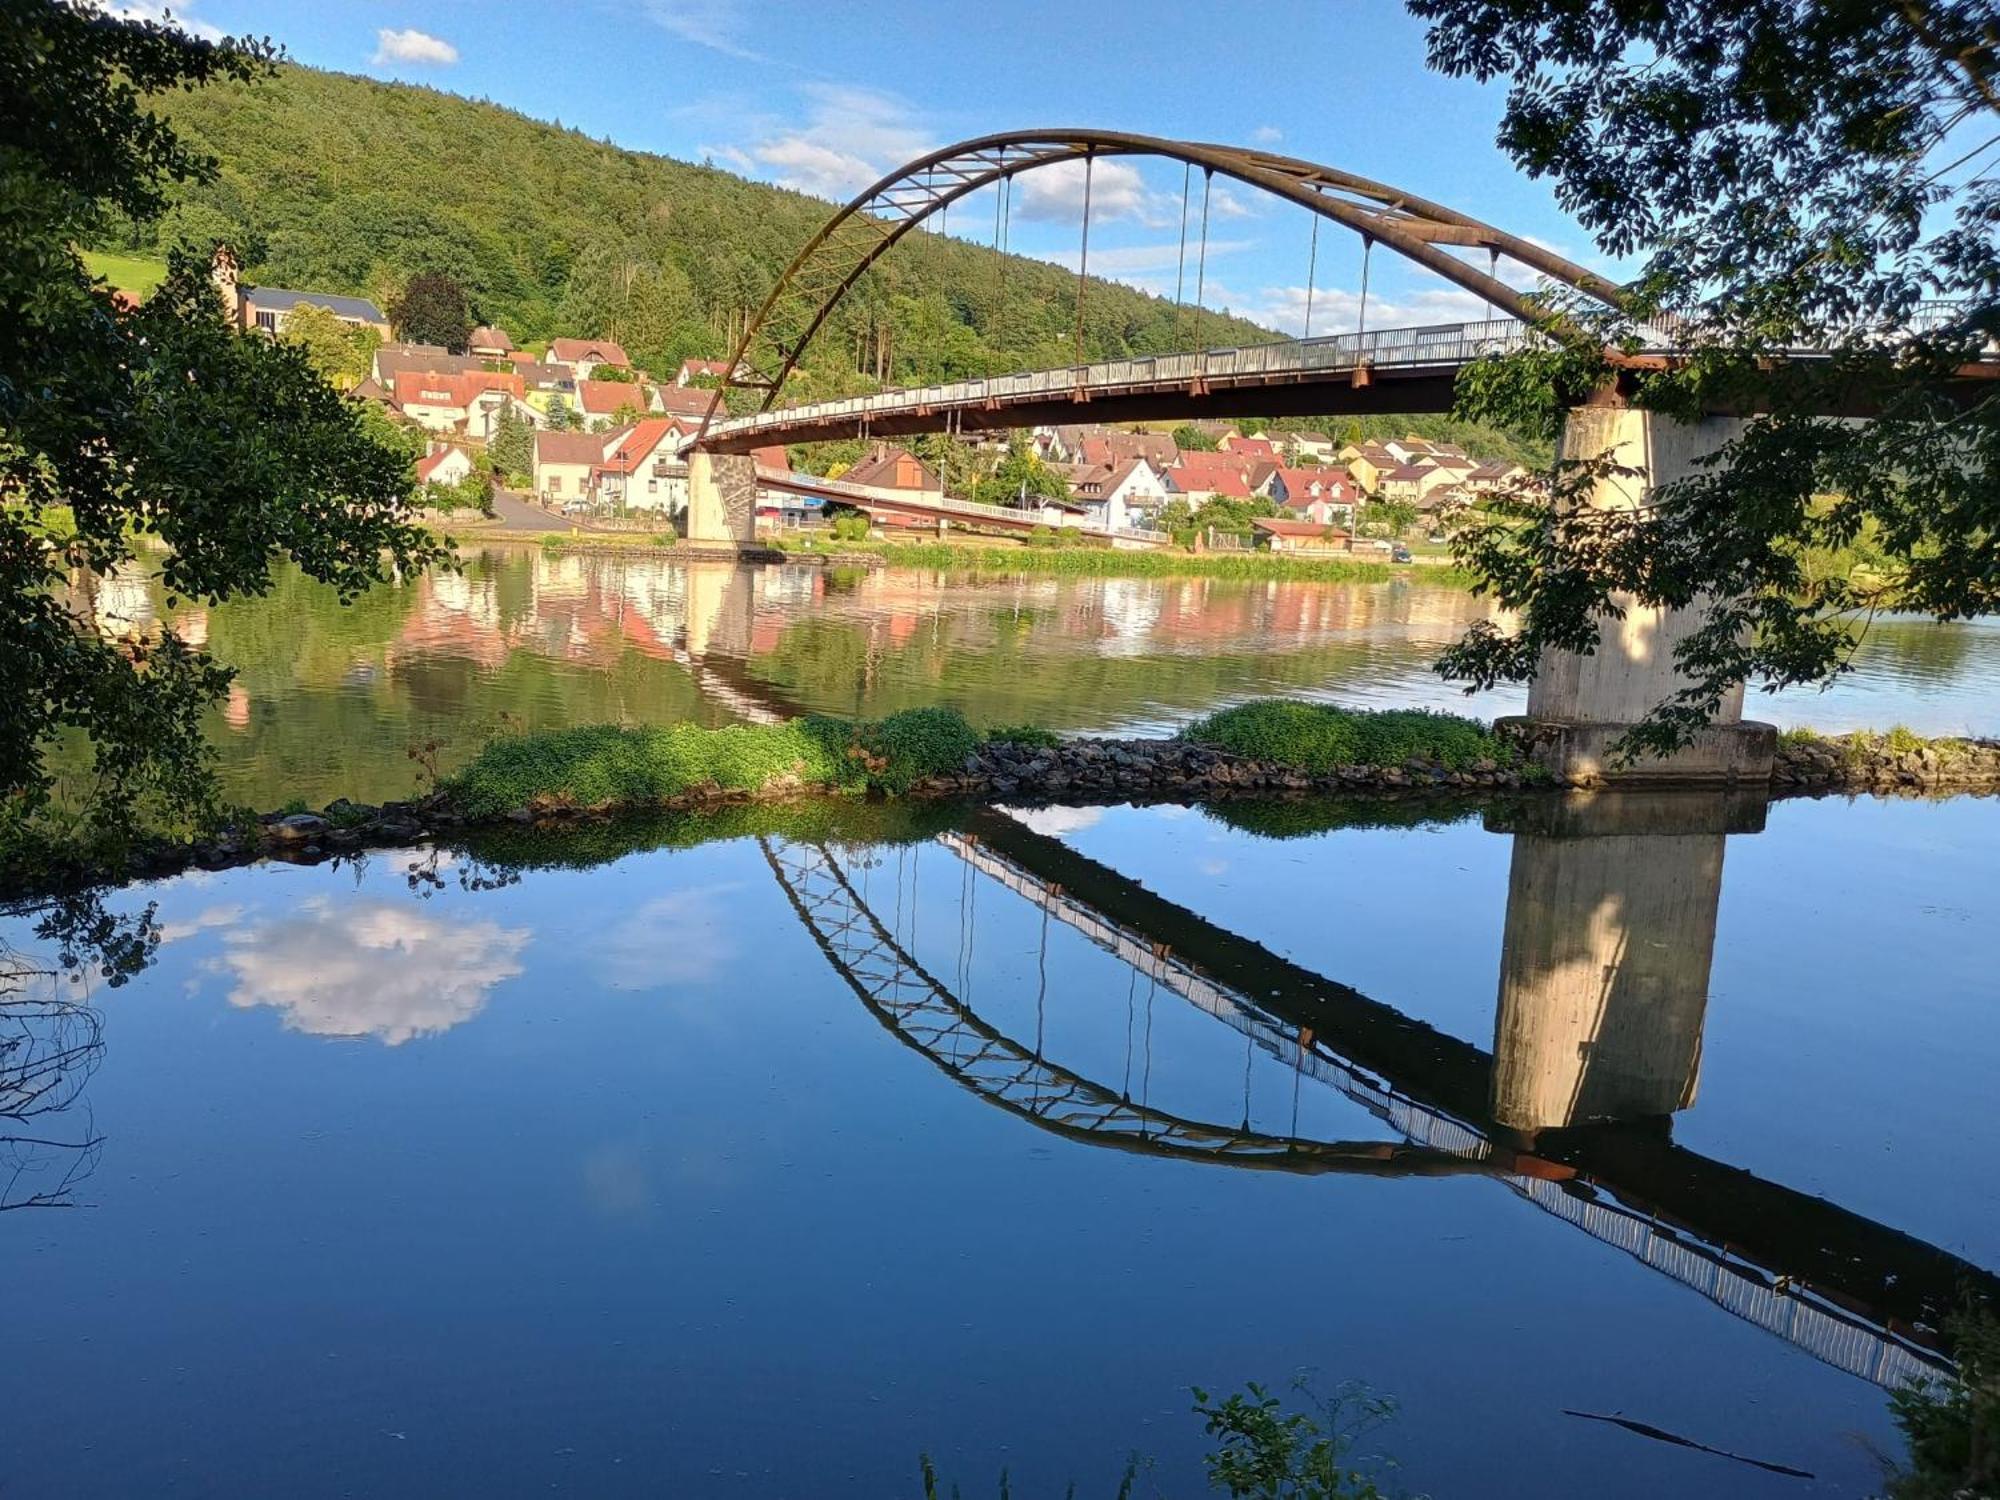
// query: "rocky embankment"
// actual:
[[1098, 770], [1093, 769], [1886, 763]]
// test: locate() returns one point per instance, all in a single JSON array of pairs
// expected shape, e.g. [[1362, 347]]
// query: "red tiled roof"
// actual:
[[603, 351], [569, 447], [602, 398], [773, 457], [428, 464], [488, 337], [684, 400], [421, 388]]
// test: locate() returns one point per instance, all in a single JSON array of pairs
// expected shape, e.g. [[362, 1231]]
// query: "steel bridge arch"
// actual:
[[866, 228]]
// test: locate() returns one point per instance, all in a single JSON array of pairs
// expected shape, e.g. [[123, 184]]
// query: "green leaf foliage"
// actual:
[[155, 436], [609, 765], [1317, 737], [341, 184], [1794, 174]]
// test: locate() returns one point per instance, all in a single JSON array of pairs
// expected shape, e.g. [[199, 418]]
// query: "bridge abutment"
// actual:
[[1580, 706], [722, 500]]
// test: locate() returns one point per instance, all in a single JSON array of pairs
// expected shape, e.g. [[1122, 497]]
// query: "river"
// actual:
[[763, 1153], [329, 701], [759, 1158]]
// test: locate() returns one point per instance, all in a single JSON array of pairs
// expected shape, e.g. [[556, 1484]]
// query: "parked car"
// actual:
[[1399, 553]]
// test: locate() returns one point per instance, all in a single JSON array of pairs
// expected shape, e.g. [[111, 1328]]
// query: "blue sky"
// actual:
[[826, 96]]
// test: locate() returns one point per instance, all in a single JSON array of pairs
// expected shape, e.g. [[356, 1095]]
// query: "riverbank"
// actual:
[[998, 559], [1271, 748]]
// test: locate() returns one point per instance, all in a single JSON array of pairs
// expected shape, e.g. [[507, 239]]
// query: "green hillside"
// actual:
[[342, 184]]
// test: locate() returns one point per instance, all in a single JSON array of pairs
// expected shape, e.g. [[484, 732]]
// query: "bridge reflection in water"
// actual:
[[1603, 987]]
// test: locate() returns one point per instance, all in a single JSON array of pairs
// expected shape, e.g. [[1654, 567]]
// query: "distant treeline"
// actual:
[[340, 184]]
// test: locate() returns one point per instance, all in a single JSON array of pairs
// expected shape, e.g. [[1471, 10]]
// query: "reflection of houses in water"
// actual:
[[1595, 1022]]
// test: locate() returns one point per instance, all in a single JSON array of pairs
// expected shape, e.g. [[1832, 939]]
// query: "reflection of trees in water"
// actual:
[[1923, 650], [51, 1041]]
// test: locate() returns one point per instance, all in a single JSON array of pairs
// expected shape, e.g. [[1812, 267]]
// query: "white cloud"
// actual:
[[1054, 822], [1267, 135], [412, 46], [181, 15], [1054, 194], [1136, 260], [208, 918], [370, 968], [1337, 309], [715, 24], [682, 938], [851, 137]]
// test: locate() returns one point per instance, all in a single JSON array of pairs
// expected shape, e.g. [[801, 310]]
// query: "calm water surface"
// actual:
[[329, 701], [734, 1160]]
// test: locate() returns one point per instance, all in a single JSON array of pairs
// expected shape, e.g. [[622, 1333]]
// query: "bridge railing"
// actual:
[[1442, 344]]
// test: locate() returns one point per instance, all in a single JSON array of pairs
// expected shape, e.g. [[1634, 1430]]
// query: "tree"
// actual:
[[512, 446], [120, 428], [1021, 475], [329, 344], [559, 414], [1191, 439], [433, 310], [1797, 173], [1394, 517]]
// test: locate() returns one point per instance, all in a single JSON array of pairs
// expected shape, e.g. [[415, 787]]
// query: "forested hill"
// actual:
[[342, 184]]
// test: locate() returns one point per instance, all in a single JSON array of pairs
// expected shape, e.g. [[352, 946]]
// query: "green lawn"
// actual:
[[129, 273]]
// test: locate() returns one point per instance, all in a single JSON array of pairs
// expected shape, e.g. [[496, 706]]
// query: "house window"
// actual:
[[268, 321], [555, 484]]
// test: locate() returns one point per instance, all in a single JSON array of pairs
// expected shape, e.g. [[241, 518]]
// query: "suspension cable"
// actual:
[[1201, 264], [1312, 265], [1180, 264], [1367, 248], [1083, 256]]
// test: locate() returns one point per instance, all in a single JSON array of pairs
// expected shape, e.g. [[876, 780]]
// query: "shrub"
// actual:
[[895, 753], [611, 765], [1317, 737], [604, 765], [849, 526], [1030, 736]]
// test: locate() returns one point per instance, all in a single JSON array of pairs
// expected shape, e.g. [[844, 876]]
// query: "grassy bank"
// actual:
[[1103, 562], [609, 765], [1317, 737]]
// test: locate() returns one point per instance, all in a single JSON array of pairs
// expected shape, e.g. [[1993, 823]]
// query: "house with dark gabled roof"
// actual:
[[585, 355], [264, 308]]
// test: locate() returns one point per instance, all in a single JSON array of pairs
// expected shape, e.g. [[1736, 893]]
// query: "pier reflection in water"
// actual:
[[1051, 976]]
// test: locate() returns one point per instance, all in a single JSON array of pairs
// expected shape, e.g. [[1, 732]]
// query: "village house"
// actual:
[[1494, 478], [887, 467], [487, 342], [563, 464], [605, 399], [444, 403], [584, 355], [482, 415], [391, 360], [679, 401], [1119, 497], [1307, 447], [1368, 462], [444, 465], [1323, 496], [1286, 534], [641, 465], [693, 370], [1254, 449], [263, 308]]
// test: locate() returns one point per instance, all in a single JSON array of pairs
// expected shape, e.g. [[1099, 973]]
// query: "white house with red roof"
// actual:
[[443, 403], [607, 398], [446, 465], [585, 355], [1325, 496], [692, 370]]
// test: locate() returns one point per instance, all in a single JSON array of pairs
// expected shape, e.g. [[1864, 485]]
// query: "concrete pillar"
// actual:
[[1604, 968], [722, 500], [1579, 706]]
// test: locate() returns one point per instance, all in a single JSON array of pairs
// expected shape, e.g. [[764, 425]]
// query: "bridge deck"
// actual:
[[1390, 369]]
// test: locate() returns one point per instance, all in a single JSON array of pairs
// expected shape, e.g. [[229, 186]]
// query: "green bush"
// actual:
[[1031, 736], [605, 765], [1318, 737], [901, 750], [849, 526], [611, 765]]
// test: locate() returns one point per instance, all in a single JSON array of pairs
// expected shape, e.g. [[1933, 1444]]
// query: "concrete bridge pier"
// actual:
[[1604, 968], [722, 501], [1580, 706]]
